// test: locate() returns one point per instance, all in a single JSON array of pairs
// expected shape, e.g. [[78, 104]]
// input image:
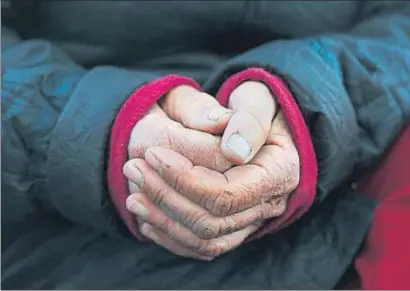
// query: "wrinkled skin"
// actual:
[[198, 194]]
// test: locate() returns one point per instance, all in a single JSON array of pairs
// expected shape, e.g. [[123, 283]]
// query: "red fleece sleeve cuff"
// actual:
[[131, 112], [303, 196]]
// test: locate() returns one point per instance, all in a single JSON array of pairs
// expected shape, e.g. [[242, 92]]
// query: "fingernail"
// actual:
[[239, 146], [138, 208], [217, 112]]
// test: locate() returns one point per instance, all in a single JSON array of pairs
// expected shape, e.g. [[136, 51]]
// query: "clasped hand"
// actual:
[[203, 177]]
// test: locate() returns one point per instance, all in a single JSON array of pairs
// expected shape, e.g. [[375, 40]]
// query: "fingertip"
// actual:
[[131, 171], [196, 110], [236, 149], [219, 118], [128, 166], [219, 113], [132, 200], [211, 120]]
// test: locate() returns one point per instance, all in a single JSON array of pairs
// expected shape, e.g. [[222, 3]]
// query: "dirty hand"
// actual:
[[185, 121], [197, 212], [183, 115]]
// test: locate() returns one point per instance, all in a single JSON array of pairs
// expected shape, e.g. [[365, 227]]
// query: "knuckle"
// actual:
[[184, 184], [205, 248], [278, 206], [229, 225], [265, 187], [205, 228], [223, 203], [281, 208], [181, 181], [188, 217], [220, 246], [262, 211], [176, 237], [250, 195], [211, 251], [147, 132], [204, 200], [165, 225], [159, 196], [278, 183], [292, 176], [293, 182]]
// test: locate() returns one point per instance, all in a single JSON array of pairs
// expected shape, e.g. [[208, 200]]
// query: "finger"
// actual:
[[157, 129], [151, 214], [179, 208], [280, 134], [196, 110], [162, 239], [139, 204], [209, 189], [273, 172], [279, 158], [133, 187], [200, 148], [155, 109], [216, 247], [248, 128]]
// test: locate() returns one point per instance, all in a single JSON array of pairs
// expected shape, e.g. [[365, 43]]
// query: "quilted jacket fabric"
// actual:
[[69, 66]]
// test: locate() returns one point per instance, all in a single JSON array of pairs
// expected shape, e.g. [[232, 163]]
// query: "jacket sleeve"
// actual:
[[56, 122], [352, 88]]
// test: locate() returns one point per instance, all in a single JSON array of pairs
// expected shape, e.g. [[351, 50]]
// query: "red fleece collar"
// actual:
[[143, 98]]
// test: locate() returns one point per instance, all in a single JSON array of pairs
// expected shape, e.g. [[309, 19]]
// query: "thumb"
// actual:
[[196, 110]]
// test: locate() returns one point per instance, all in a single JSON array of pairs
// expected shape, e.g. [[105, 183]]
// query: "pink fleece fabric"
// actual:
[[144, 97]]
